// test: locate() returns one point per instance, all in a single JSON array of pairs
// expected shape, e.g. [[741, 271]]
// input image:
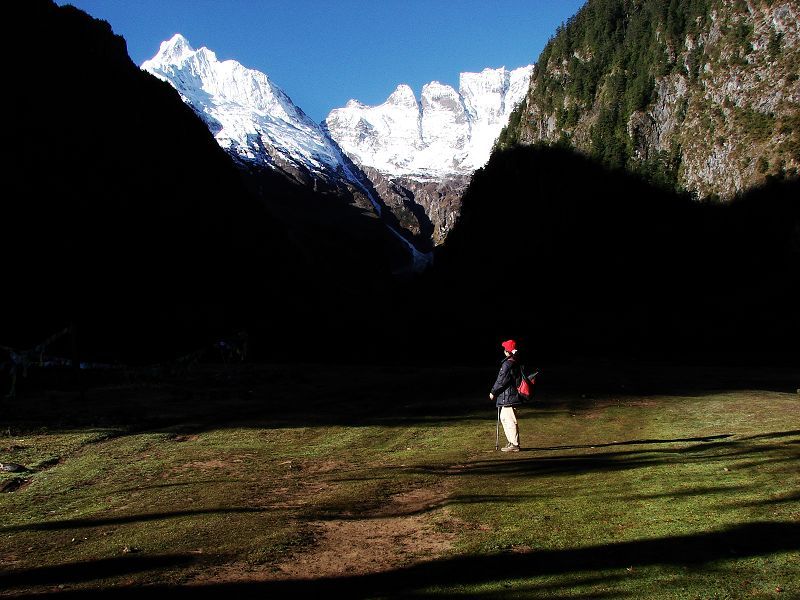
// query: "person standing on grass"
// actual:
[[504, 393]]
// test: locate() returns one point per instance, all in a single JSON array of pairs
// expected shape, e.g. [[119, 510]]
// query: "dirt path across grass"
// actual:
[[411, 527], [400, 532]]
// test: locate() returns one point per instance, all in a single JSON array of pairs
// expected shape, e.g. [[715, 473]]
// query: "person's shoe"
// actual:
[[510, 448]]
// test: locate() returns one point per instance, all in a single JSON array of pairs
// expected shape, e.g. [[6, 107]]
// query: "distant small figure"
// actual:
[[504, 392]]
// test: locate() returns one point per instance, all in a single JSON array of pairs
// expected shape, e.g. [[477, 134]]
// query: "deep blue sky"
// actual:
[[324, 52]]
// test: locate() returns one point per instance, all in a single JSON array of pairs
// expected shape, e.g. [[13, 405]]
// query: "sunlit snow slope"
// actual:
[[446, 132], [249, 115]]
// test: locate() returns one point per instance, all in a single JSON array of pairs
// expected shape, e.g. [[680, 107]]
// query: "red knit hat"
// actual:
[[509, 346]]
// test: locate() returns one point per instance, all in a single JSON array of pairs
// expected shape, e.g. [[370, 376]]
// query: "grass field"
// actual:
[[383, 482]]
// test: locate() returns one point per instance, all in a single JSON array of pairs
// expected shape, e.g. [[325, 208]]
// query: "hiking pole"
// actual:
[[497, 431]]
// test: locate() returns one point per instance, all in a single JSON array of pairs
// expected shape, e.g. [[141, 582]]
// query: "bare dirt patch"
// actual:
[[205, 465], [398, 533]]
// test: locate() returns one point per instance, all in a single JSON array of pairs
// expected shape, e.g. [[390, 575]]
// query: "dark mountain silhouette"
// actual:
[[581, 260], [122, 214]]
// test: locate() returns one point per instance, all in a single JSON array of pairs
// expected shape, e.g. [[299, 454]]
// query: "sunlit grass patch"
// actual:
[[661, 496]]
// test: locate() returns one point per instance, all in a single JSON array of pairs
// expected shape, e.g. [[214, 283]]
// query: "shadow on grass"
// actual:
[[727, 450], [793, 497], [689, 493], [574, 567], [774, 435], [91, 570], [276, 396], [382, 511], [641, 442], [156, 486], [81, 523]]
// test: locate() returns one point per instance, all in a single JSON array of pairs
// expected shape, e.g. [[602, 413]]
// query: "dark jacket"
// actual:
[[508, 379]]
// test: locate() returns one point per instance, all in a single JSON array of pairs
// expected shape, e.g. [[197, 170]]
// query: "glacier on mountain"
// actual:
[[248, 115], [408, 159], [447, 132]]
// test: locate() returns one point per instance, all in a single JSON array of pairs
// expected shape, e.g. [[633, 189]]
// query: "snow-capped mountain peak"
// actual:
[[247, 113], [447, 132], [403, 96], [415, 152], [173, 50]]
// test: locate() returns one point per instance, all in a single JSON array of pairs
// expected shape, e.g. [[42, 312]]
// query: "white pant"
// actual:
[[508, 417]]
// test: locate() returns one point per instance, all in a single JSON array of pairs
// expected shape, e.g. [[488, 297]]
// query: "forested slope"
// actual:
[[701, 95]]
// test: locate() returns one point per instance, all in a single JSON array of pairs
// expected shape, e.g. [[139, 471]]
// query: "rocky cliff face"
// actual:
[[427, 209], [702, 95]]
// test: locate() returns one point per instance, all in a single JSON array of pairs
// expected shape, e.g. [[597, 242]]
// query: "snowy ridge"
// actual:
[[447, 132], [441, 137], [249, 115]]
